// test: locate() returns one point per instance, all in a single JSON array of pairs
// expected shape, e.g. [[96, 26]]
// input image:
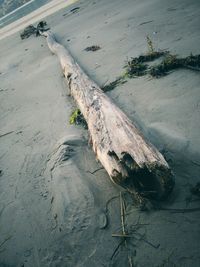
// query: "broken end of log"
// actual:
[[153, 181]]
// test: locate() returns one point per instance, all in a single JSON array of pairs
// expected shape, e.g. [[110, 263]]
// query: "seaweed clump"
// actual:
[[169, 63], [135, 68], [78, 119], [138, 66], [28, 31], [172, 62], [32, 30], [92, 48]]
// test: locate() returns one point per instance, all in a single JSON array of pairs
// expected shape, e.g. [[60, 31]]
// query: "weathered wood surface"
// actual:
[[130, 160]]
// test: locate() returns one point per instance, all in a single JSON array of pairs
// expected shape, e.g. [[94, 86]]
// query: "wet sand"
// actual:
[[53, 192]]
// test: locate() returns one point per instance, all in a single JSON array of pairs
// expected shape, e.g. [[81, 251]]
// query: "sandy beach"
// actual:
[[58, 207]]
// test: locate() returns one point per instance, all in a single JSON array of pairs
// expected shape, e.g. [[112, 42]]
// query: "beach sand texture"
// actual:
[[53, 192]]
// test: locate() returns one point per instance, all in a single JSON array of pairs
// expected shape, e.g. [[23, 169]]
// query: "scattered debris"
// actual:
[[78, 119], [92, 48], [32, 30]]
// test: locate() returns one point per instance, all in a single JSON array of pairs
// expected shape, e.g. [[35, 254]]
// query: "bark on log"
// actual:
[[131, 161]]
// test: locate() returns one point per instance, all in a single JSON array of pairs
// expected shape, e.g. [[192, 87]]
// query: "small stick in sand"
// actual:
[[122, 205], [124, 235]]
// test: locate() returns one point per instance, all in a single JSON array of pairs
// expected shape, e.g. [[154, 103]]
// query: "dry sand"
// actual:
[[52, 199]]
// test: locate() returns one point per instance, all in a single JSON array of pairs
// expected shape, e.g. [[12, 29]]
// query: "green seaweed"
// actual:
[[135, 68], [169, 63], [77, 118], [172, 62], [138, 66], [150, 45], [192, 62]]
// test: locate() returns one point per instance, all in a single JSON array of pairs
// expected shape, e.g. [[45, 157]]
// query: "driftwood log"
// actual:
[[131, 161]]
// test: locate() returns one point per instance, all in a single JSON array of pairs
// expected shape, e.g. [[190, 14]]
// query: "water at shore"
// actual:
[[21, 12]]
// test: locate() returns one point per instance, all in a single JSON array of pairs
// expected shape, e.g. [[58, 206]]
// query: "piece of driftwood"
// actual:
[[130, 160]]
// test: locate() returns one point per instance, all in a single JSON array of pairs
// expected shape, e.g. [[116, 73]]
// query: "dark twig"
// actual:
[[124, 235], [101, 168], [109, 201], [122, 208], [6, 133], [145, 22], [116, 249]]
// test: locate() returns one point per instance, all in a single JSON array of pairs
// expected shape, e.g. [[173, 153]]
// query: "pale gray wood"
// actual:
[[130, 160]]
